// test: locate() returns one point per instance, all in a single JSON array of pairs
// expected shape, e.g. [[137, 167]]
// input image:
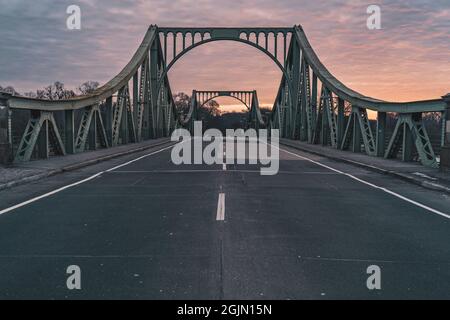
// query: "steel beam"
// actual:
[[381, 133], [43, 143], [445, 153], [92, 137], [108, 120], [5, 145], [340, 121], [124, 133], [136, 105], [356, 139], [408, 142], [69, 131], [153, 89]]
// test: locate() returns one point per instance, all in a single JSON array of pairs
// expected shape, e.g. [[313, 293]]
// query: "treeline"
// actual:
[[55, 91]]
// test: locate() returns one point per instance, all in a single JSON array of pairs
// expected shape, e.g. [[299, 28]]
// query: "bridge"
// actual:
[[162, 231], [248, 98]]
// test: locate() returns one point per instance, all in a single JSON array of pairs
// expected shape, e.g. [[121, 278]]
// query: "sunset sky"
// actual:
[[409, 59]]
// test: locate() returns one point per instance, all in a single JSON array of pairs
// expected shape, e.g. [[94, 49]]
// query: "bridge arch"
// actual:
[[203, 97], [269, 36], [203, 42]]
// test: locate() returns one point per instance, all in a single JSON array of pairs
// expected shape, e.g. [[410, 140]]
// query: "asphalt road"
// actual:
[[150, 230]]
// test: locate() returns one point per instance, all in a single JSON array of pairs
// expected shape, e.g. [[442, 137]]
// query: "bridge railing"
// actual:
[[135, 105], [313, 106]]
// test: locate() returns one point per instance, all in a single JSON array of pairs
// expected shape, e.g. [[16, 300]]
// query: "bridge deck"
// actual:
[[150, 230]]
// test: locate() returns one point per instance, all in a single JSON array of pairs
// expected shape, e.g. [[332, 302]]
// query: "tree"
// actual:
[[88, 87], [10, 90], [55, 91], [205, 112], [182, 102]]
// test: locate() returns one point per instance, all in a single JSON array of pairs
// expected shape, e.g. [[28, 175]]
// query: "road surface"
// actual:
[[153, 230]]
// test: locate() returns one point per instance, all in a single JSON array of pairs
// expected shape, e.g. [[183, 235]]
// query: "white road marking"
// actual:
[[17, 206], [221, 207], [418, 204], [224, 165]]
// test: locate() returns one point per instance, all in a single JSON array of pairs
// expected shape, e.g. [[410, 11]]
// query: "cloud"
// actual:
[[408, 59]]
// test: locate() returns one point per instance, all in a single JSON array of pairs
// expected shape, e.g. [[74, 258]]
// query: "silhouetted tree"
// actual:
[[88, 87], [10, 90], [55, 91]]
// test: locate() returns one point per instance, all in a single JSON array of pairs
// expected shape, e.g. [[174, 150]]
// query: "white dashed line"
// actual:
[[221, 207]]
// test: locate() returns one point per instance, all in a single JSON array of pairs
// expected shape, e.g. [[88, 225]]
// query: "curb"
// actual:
[[77, 166], [424, 184]]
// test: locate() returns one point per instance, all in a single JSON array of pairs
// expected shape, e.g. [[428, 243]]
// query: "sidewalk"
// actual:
[[21, 173], [409, 171]]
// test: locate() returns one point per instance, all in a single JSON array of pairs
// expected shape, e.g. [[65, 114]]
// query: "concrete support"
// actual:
[[381, 133], [5, 146], [445, 153], [70, 131]]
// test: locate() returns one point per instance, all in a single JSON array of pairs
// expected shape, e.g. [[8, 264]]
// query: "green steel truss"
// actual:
[[248, 98], [137, 104], [410, 130], [41, 130]]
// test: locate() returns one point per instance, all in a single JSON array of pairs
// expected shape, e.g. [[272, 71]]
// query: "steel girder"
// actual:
[[248, 98], [296, 111], [358, 126], [91, 124], [264, 39], [411, 126], [42, 125], [326, 123], [256, 120]]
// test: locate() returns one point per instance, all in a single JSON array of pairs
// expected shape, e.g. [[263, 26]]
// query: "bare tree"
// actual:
[[55, 91], [88, 87], [10, 90]]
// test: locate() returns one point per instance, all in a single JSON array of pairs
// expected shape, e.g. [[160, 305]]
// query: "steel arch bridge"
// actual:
[[311, 104], [248, 98]]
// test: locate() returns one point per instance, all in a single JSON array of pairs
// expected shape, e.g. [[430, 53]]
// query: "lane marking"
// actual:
[[22, 204], [213, 170], [221, 207], [224, 165], [418, 204]]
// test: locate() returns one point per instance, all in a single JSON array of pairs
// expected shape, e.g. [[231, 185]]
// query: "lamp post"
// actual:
[[5, 147], [445, 153]]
